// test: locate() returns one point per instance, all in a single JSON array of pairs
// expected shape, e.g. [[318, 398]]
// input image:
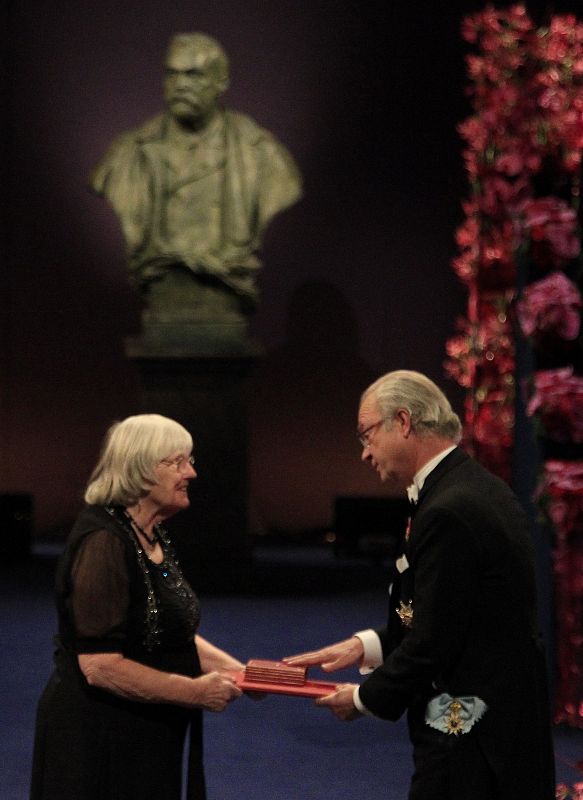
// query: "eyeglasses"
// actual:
[[179, 462], [364, 436]]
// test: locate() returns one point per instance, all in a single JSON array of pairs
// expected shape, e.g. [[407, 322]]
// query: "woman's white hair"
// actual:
[[430, 410], [131, 451]]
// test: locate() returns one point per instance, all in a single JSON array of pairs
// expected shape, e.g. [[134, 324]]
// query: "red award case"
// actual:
[[277, 677]]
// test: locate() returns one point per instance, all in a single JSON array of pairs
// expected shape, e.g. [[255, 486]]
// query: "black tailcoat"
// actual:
[[471, 582]]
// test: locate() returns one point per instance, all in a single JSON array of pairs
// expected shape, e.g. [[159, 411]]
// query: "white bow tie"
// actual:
[[413, 493]]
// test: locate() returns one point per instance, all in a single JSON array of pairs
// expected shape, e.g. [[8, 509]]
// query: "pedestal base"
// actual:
[[194, 313], [207, 393]]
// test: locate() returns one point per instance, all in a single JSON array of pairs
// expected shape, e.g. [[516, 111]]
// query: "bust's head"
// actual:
[[196, 74]]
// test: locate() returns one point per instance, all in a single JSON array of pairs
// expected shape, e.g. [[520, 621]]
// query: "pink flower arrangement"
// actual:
[[559, 54], [462, 358], [551, 306], [552, 227], [487, 255], [564, 477], [558, 401], [494, 422], [565, 792], [561, 492], [487, 344], [526, 89], [526, 125]]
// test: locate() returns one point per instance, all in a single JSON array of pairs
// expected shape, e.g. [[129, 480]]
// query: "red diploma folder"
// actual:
[[276, 677], [307, 689]]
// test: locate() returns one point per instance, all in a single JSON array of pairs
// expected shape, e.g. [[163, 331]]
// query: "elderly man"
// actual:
[[194, 189], [460, 652]]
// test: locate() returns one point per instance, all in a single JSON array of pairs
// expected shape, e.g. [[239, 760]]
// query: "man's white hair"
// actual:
[[430, 410]]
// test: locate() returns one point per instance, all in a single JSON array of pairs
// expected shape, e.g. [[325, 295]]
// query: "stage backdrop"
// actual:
[[357, 278]]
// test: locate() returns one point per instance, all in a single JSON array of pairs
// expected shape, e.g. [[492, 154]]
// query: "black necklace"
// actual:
[[150, 539]]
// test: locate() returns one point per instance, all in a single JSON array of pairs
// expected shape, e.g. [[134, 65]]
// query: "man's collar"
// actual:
[[421, 475], [413, 492]]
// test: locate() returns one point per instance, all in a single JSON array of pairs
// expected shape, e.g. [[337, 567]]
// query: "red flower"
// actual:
[[494, 421], [551, 305], [552, 226], [499, 195], [564, 477], [527, 99], [558, 400]]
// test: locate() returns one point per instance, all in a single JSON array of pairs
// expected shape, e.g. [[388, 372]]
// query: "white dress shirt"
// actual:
[[373, 652]]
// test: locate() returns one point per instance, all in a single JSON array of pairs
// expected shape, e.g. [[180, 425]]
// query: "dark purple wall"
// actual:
[[366, 95]]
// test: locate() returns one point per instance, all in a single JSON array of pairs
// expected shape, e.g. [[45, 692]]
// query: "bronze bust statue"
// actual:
[[194, 189]]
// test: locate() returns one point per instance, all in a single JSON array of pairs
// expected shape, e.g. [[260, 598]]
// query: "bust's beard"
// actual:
[[186, 110]]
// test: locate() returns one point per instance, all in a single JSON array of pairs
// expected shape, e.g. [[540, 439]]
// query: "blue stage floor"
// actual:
[[279, 748]]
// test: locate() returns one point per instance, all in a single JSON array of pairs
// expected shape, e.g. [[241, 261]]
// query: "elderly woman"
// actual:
[[131, 676]]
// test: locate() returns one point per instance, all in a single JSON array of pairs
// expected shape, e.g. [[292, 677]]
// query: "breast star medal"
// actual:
[[405, 612], [453, 719]]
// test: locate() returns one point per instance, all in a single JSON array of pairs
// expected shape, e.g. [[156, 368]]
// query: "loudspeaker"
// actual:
[[16, 513]]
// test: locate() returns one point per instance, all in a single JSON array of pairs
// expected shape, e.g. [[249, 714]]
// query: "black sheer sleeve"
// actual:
[[100, 594]]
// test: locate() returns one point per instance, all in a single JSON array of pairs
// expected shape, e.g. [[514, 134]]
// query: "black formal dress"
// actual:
[[91, 744], [469, 582]]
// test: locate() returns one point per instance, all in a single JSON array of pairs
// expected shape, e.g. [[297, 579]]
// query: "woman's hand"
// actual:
[[212, 658], [126, 678], [215, 691]]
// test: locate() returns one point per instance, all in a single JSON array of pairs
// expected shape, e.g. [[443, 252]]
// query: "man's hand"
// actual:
[[341, 703], [336, 656]]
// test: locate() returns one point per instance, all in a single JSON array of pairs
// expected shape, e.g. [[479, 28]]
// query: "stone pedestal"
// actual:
[[207, 393], [186, 313]]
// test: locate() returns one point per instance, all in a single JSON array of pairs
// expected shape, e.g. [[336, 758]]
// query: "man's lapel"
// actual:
[[453, 459]]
